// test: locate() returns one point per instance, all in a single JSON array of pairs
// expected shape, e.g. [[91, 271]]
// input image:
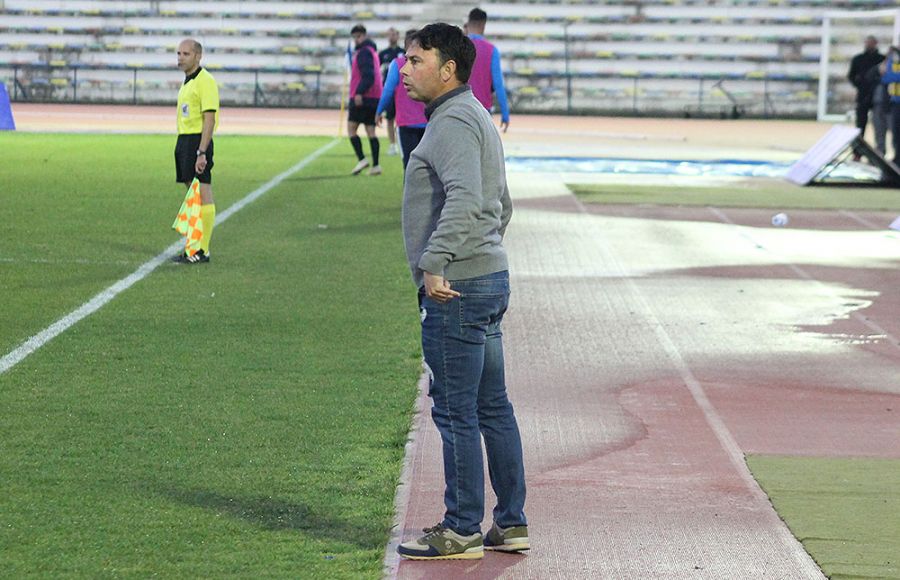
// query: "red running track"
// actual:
[[648, 350]]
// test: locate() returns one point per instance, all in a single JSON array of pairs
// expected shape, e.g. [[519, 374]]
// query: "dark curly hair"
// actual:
[[451, 44]]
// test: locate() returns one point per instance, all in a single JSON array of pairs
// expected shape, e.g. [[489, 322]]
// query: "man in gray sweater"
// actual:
[[456, 207]]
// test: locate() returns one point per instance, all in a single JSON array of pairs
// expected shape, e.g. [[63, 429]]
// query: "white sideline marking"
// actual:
[[19, 354], [859, 219]]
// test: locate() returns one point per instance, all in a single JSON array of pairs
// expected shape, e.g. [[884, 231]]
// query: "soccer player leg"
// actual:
[[373, 143], [352, 129], [455, 357]]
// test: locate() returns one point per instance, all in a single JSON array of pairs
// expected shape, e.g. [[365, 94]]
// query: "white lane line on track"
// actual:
[[802, 273], [714, 420], [861, 220], [18, 354]]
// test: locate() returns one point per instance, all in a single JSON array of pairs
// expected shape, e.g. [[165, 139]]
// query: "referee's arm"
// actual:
[[209, 123]]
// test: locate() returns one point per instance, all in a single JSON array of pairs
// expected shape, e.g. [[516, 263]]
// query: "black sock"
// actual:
[[376, 147], [357, 147]]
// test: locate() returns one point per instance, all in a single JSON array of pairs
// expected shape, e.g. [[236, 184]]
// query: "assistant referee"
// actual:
[[198, 117]]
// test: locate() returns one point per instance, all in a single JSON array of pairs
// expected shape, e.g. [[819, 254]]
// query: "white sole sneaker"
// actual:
[[375, 170], [363, 163]]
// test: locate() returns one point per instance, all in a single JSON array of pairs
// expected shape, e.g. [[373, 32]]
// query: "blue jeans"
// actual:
[[463, 348]]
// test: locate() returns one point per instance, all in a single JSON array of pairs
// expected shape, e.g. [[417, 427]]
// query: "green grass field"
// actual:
[[846, 511], [242, 418]]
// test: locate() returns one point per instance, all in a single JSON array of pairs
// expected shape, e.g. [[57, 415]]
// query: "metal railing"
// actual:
[[77, 83], [709, 95]]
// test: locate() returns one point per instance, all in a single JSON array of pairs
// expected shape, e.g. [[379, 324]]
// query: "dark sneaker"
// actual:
[[513, 539], [440, 543], [200, 257]]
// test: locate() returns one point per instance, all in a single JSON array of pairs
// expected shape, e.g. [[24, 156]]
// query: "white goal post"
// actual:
[[825, 55]]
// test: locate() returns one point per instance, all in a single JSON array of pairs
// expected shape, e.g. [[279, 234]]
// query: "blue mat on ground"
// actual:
[[6, 118], [684, 167]]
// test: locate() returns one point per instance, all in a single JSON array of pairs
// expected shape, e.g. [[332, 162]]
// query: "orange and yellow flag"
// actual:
[[188, 222]]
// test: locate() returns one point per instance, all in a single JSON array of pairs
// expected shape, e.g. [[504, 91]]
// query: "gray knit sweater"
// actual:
[[456, 204]]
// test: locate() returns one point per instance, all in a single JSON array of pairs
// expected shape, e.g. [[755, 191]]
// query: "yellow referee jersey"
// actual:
[[199, 93]]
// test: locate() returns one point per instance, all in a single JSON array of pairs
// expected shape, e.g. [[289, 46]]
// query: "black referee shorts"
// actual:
[[186, 158]]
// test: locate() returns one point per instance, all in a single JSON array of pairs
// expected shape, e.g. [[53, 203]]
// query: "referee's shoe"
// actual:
[[200, 257]]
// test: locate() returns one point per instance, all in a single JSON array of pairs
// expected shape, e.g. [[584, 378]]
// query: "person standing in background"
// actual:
[[386, 57], [411, 120], [365, 90], [891, 78], [487, 74], [198, 117], [861, 76]]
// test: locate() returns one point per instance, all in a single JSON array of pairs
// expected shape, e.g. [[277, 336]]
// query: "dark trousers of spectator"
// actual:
[[862, 114], [895, 129]]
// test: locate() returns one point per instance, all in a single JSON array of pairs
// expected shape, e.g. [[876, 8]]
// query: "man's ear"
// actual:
[[448, 71]]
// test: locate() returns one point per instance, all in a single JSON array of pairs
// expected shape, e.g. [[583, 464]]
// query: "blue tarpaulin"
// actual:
[[6, 118], [684, 167]]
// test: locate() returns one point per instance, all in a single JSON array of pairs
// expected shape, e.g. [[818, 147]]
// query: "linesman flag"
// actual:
[[188, 222]]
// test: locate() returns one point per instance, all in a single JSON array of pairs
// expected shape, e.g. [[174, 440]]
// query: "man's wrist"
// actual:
[[201, 152]]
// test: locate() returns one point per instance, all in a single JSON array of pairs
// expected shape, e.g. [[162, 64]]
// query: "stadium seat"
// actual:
[[761, 41]]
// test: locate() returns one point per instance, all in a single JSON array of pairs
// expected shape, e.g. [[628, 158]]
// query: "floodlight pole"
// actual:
[[568, 73], [896, 38], [824, 59]]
